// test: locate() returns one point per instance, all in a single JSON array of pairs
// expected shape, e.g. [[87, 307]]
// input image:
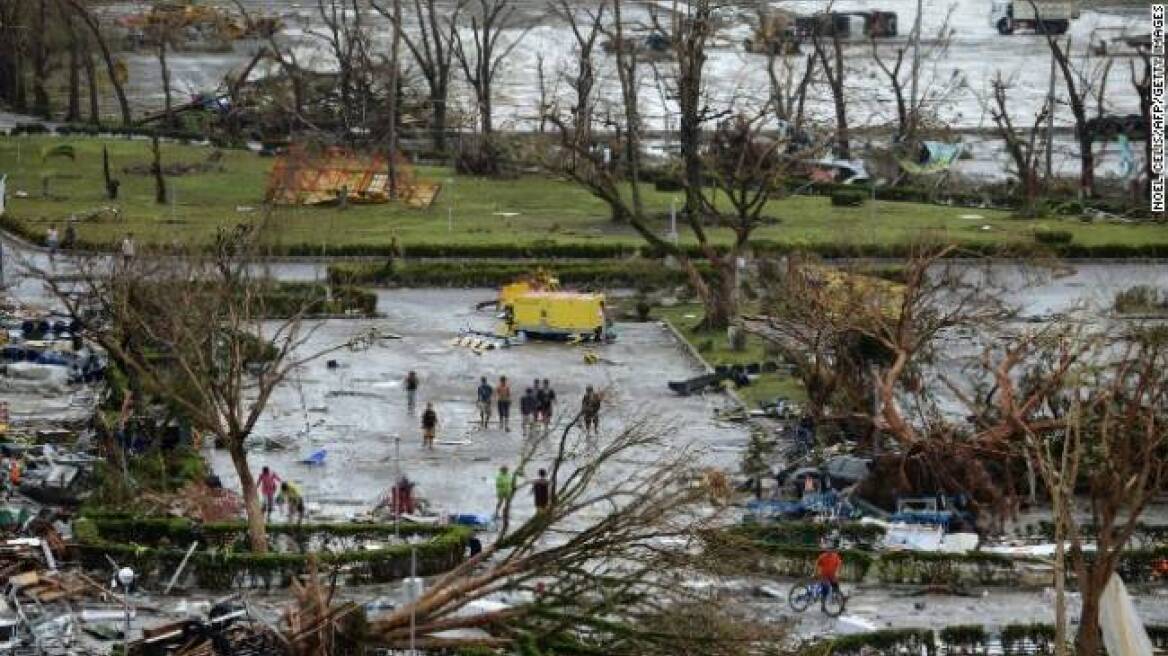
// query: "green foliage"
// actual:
[[144, 543], [888, 641], [155, 470], [1141, 299], [286, 299], [848, 198], [1053, 237], [1027, 638], [59, 150], [808, 534], [964, 635], [493, 274]]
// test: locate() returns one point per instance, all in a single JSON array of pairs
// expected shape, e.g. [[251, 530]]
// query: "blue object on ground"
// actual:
[[471, 519], [315, 458]]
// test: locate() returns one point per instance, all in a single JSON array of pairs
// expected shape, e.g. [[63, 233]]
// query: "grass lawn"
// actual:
[[530, 209], [715, 348]]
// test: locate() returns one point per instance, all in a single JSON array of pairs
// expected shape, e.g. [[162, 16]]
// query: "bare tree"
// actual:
[[1085, 83], [905, 80], [1022, 145], [829, 50], [1102, 425], [481, 56], [1142, 82], [114, 69], [433, 51], [196, 329], [73, 104], [162, 33], [788, 89], [600, 562], [346, 34], [41, 59]]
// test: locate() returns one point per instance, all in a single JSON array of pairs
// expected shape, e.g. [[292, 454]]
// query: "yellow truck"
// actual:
[[554, 314]]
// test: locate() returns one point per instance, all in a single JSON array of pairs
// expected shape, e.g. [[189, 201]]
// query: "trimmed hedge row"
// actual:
[[551, 249], [91, 130], [1065, 206], [808, 534], [631, 273], [792, 556], [220, 568], [288, 298]]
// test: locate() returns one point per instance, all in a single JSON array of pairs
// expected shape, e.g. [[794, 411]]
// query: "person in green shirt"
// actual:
[[290, 494], [504, 485]]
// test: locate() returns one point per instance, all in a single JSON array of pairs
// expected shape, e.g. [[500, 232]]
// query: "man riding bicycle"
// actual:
[[828, 565]]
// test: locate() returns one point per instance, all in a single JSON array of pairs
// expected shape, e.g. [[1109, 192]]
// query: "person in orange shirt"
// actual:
[[828, 565]]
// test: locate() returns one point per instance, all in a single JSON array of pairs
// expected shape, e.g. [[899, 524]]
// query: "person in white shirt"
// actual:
[[128, 248]]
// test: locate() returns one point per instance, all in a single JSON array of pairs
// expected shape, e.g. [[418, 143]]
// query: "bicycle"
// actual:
[[805, 593]]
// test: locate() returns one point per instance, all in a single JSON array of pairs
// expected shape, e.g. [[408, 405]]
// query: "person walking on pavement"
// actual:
[[429, 426], [128, 249], [411, 385], [590, 411], [52, 240], [269, 483], [290, 494], [485, 392], [547, 403], [503, 401], [504, 485], [70, 234], [527, 407], [541, 491]]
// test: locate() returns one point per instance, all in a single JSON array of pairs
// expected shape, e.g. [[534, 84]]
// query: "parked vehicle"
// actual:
[[1042, 16], [848, 24]]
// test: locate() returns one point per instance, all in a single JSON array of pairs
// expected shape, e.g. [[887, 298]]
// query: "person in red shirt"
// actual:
[[828, 565], [268, 483]]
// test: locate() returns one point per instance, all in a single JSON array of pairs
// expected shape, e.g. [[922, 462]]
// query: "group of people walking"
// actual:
[[537, 406]]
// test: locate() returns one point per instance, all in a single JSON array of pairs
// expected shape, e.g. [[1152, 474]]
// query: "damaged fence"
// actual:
[[359, 553]]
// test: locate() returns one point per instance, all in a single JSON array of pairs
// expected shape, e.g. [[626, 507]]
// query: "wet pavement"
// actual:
[[357, 411]]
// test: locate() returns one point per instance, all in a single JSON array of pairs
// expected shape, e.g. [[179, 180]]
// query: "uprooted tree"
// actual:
[[199, 331], [598, 571]]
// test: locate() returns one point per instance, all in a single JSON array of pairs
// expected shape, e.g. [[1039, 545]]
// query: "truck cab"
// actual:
[[1041, 16]]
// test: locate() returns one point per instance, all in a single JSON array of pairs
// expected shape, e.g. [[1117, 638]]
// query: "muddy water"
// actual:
[[976, 53]]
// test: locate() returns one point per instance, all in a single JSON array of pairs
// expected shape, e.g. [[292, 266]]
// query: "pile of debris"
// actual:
[[41, 352]]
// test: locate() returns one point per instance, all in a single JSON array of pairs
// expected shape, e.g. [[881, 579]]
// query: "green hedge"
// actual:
[[1053, 237], [219, 567], [288, 298], [848, 198], [808, 534], [632, 273], [549, 249]]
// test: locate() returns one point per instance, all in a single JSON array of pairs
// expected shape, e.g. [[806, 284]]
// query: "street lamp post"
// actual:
[[125, 578]]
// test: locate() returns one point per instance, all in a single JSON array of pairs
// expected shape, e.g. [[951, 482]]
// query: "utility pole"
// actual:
[[916, 68]]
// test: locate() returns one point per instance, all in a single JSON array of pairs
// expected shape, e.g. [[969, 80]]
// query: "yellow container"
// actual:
[[556, 314]]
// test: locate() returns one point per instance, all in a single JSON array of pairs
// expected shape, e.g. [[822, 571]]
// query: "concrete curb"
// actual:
[[693, 353]]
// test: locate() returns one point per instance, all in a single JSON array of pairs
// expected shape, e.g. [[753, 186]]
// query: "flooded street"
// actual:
[[357, 410]]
